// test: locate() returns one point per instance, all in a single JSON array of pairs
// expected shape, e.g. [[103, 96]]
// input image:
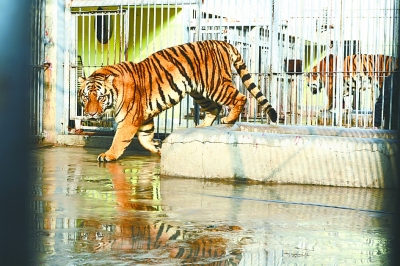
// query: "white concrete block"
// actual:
[[284, 154]]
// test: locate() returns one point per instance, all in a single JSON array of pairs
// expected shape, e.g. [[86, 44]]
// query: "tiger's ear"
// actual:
[[109, 78], [81, 79]]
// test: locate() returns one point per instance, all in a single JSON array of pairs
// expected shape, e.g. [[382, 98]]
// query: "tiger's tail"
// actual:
[[248, 82]]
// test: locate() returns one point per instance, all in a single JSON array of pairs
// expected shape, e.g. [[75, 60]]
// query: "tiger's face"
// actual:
[[96, 95], [314, 83]]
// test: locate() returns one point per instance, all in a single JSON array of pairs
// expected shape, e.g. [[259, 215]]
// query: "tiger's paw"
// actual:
[[157, 143], [104, 157], [272, 114], [224, 120]]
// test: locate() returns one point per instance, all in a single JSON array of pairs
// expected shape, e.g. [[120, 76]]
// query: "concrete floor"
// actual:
[[125, 213]]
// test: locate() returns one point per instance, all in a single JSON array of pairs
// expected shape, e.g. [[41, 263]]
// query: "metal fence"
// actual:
[[37, 67], [283, 43]]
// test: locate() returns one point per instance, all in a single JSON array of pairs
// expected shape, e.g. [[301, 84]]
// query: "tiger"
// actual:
[[359, 70], [203, 246], [317, 79], [366, 71], [138, 92]]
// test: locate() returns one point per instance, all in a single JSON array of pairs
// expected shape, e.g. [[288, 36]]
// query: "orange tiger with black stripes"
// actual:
[[140, 91], [359, 70], [321, 76]]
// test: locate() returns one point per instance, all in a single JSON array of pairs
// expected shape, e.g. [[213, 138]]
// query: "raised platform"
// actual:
[[284, 155]]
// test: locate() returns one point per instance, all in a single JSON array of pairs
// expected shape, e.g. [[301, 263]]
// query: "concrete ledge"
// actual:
[[284, 154], [93, 141]]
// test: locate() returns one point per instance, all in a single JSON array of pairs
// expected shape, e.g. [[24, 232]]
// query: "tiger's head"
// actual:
[[96, 95], [314, 82], [321, 74]]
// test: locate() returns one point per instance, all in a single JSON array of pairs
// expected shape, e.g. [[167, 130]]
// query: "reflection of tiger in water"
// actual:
[[135, 230], [139, 92], [140, 237], [362, 71]]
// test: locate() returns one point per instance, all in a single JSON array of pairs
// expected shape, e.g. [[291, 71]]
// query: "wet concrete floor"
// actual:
[[125, 213]]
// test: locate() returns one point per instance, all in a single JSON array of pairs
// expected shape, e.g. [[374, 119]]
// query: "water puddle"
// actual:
[[125, 213]]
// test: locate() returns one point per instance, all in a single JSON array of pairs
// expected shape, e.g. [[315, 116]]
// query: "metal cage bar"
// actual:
[[283, 43], [37, 68]]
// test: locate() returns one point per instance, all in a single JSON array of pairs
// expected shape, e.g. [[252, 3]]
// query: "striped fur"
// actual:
[[366, 71], [321, 76], [361, 70], [177, 245], [140, 91]]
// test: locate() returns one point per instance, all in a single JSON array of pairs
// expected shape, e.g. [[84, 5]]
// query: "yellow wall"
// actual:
[[145, 36]]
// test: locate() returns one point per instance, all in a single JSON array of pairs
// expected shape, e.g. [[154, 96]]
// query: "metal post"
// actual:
[[196, 113]]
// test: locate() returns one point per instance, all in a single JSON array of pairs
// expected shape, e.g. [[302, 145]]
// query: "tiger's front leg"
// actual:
[[146, 137], [123, 137]]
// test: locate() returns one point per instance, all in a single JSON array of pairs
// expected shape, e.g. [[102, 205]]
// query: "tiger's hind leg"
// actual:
[[235, 100], [146, 137], [211, 109]]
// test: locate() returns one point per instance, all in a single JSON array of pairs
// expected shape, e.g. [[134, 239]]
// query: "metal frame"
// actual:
[[37, 68], [275, 33]]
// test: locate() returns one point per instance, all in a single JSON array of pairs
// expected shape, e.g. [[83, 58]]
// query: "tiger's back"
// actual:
[[138, 92], [359, 71], [366, 71], [202, 69]]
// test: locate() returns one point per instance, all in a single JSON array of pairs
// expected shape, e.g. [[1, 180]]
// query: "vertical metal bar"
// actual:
[[154, 27], [177, 30], [382, 89], [95, 39], [34, 70], [303, 43], [282, 79], [182, 37], [364, 92], [134, 33], [141, 31], [169, 43], [308, 31], [339, 77], [271, 81], [66, 73], [381, 74], [173, 107], [89, 60], [320, 56], [222, 30], [147, 28], [102, 39], [198, 20], [41, 61], [126, 15], [73, 71], [298, 54], [121, 37], [31, 80], [204, 33], [108, 35], [162, 30], [32, 112], [83, 19], [82, 26], [38, 71], [394, 120], [115, 39]]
